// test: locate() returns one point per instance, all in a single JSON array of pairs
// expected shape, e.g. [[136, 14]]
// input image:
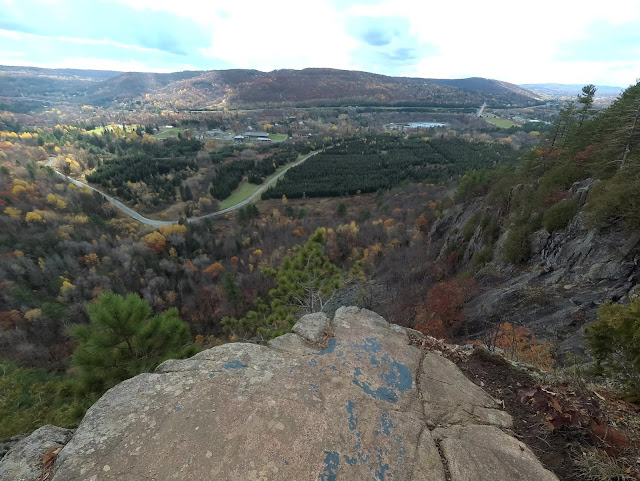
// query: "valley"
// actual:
[[219, 207]]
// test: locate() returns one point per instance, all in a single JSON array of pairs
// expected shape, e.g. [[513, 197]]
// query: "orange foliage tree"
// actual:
[[214, 269], [520, 344], [443, 316]]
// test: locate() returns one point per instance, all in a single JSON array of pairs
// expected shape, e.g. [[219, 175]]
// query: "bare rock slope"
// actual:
[[347, 399]]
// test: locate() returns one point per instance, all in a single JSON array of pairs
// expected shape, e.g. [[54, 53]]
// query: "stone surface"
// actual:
[[475, 453], [313, 327], [23, 462], [449, 397], [353, 407]]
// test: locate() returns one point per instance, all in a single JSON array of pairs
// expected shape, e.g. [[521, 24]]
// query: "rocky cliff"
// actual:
[[346, 399], [558, 291]]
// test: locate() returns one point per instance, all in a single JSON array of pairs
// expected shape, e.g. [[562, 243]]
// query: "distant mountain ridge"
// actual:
[[571, 90], [251, 88]]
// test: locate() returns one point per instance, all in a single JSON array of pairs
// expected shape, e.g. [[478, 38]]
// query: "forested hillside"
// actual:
[[250, 89]]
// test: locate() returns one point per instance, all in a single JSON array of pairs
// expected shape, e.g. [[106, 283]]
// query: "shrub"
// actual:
[[482, 257], [516, 246], [471, 226], [616, 199], [559, 215], [614, 341]]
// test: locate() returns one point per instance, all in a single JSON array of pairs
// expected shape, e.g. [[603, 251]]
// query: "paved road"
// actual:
[[158, 223]]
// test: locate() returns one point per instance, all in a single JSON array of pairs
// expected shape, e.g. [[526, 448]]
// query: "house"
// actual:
[[213, 133], [263, 139]]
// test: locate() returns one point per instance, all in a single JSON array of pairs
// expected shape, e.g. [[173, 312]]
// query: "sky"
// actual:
[[561, 41]]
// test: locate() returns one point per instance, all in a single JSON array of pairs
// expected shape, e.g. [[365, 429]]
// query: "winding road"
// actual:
[[159, 223]]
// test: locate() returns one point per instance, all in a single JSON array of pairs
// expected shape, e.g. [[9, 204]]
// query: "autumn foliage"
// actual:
[[442, 316], [521, 345]]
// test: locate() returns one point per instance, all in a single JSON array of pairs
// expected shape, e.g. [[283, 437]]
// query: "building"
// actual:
[[256, 135], [213, 133]]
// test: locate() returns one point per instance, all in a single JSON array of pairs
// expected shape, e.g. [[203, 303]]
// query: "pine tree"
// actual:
[[122, 340], [586, 99], [614, 340], [563, 126], [626, 114], [305, 282], [232, 291]]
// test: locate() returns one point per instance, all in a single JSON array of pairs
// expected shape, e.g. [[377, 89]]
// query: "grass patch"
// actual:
[[174, 131], [502, 123], [277, 137], [245, 190]]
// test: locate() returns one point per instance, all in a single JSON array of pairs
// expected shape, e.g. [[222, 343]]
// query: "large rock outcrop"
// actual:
[[347, 399], [569, 274]]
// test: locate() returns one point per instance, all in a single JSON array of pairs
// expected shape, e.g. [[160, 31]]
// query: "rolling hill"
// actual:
[[251, 88]]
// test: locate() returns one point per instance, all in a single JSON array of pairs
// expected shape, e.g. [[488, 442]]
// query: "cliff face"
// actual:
[[558, 291], [350, 398]]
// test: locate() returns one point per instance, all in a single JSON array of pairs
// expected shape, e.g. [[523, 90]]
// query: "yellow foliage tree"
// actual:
[[13, 212], [66, 285], [33, 217], [167, 230], [18, 189], [33, 314], [155, 241]]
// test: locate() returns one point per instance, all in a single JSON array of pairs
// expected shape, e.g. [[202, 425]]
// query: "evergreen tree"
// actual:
[[122, 340], [562, 127], [232, 291], [615, 342], [305, 283], [586, 99], [625, 115]]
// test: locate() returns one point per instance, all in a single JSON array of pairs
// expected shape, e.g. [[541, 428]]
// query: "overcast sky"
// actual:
[[565, 41]]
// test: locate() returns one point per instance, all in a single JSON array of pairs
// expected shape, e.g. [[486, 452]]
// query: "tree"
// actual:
[[214, 269], [586, 99], [308, 280], [625, 113], [122, 340], [232, 291], [305, 282], [443, 315], [562, 126], [614, 340]]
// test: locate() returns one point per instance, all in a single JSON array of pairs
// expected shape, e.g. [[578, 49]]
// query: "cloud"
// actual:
[[386, 42], [106, 21], [519, 42], [602, 41]]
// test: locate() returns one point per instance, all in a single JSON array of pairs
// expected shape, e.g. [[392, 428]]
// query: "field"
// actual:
[[502, 123], [245, 190], [277, 137], [166, 133]]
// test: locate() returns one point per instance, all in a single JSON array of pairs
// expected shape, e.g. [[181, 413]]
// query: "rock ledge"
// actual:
[[362, 405]]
